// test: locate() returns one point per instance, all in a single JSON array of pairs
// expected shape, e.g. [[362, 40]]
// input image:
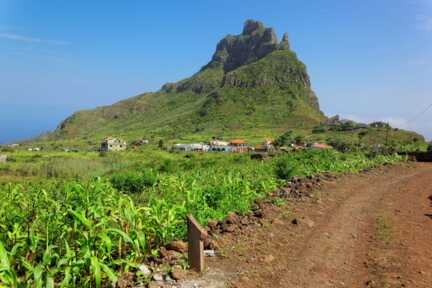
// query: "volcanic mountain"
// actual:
[[254, 84]]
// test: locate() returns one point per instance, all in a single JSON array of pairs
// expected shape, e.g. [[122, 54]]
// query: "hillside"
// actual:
[[253, 84]]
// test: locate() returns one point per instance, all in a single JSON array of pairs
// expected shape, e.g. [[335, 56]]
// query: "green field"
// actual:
[[83, 219]]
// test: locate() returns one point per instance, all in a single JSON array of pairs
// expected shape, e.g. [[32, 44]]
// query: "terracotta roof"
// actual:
[[238, 141]]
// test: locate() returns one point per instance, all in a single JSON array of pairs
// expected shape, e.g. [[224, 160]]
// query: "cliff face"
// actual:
[[253, 80], [255, 42]]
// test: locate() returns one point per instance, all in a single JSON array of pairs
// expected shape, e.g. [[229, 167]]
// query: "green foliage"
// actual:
[[133, 182], [161, 144], [342, 145], [310, 162], [380, 124], [285, 139], [284, 169]]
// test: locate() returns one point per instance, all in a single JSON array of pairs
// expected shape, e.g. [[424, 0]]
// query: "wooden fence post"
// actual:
[[196, 236]]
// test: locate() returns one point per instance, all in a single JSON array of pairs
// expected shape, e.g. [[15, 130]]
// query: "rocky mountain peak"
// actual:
[[284, 45], [252, 26], [255, 42]]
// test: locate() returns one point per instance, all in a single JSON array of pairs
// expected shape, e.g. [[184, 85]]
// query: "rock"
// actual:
[[178, 246], [302, 189], [229, 228], [169, 280], [284, 192], [231, 218], [163, 252], [210, 244], [309, 222], [268, 258], [284, 44], [144, 270], [209, 253], [178, 274], [158, 277], [254, 43], [258, 214], [212, 224], [168, 255], [251, 26], [277, 221], [244, 221]]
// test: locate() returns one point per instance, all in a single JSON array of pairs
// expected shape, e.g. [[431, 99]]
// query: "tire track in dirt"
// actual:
[[329, 257]]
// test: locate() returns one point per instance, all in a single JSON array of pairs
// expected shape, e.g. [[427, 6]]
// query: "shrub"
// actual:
[[318, 129], [168, 166], [284, 169], [133, 182]]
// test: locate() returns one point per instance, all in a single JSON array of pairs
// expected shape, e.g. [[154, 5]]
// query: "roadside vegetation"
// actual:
[[84, 219]]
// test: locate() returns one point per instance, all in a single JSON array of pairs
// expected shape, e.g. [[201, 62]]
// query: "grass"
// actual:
[[384, 229]]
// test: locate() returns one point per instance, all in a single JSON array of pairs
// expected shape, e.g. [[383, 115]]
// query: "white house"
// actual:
[[192, 147]]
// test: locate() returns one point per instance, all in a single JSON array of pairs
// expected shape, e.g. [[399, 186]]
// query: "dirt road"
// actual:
[[368, 230]]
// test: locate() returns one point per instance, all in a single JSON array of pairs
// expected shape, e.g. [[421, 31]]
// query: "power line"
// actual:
[[420, 114]]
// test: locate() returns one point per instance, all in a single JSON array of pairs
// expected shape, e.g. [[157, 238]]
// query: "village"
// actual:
[[111, 144]]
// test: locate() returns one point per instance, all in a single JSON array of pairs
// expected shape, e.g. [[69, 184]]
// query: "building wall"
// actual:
[[113, 145]]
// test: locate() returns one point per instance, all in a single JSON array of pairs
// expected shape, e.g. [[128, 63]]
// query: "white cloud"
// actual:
[[22, 38]]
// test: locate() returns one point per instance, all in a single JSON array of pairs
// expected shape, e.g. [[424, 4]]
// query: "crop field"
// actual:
[[84, 219]]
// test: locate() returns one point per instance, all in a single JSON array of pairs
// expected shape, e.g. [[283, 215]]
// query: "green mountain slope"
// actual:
[[252, 83], [253, 87]]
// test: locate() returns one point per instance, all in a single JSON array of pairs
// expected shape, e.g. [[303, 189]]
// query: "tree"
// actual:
[[299, 140], [360, 136], [379, 124], [161, 144], [284, 139]]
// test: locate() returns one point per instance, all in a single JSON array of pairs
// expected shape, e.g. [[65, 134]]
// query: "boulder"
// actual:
[[178, 246], [178, 274]]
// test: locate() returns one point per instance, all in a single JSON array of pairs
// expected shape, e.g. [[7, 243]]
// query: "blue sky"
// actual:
[[368, 60]]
